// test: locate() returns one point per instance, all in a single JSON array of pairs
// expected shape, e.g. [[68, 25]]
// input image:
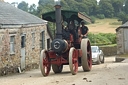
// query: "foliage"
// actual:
[[106, 8], [123, 17], [117, 5], [43, 2], [102, 38], [126, 7], [100, 16], [46, 8], [23, 6], [93, 19], [111, 37], [32, 9], [112, 45], [52, 28]]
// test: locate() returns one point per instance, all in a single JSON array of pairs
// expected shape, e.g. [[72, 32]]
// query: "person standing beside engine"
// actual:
[[84, 30]]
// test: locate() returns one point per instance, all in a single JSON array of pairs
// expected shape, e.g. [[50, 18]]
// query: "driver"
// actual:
[[84, 30], [72, 29]]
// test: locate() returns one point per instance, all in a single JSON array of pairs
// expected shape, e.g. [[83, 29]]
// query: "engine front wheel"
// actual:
[[56, 68], [45, 65], [86, 58], [73, 61]]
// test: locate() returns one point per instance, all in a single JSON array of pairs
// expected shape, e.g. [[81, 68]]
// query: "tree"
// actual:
[[32, 9], [117, 5], [43, 9], [106, 8], [45, 6], [72, 4], [44, 2], [23, 6], [14, 4], [126, 7], [123, 17], [64, 5], [92, 5]]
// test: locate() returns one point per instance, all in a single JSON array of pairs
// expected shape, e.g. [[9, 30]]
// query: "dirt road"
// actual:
[[109, 73]]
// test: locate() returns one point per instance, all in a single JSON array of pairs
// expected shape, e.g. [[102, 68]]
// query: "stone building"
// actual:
[[22, 37], [122, 39]]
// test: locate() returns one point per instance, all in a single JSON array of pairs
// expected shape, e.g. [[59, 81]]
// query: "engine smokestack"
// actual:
[[58, 19]]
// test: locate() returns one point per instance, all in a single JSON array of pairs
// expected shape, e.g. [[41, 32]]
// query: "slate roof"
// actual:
[[123, 26], [10, 15]]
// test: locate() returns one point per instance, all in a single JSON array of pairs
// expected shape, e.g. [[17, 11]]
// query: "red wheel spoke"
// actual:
[[45, 67], [73, 61], [89, 62]]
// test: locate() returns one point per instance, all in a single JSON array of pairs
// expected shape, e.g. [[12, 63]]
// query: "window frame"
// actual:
[[33, 40], [48, 43], [12, 44]]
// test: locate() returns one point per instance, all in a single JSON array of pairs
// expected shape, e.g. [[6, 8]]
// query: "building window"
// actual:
[[48, 44], [42, 40], [12, 46], [33, 40], [23, 41]]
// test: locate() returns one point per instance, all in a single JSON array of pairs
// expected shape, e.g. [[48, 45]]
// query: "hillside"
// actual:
[[104, 26]]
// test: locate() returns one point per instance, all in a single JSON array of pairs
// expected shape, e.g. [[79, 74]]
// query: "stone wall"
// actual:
[[120, 42], [9, 63], [109, 51]]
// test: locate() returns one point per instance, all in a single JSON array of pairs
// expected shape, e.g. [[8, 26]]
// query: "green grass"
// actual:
[[124, 55], [112, 45], [116, 23]]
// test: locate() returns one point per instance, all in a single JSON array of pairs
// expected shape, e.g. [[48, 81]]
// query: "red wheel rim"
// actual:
[[75, 62], [89, 55], [46, 64]]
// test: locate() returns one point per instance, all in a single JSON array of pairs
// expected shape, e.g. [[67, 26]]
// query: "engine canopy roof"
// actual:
[[67, 16]]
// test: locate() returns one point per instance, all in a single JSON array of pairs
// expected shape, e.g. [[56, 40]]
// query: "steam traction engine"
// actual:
[[75, 51]]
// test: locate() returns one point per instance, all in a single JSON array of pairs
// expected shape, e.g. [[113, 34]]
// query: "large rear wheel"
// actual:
[[44, 63], [86, 58], [56, 68], [73, 61]]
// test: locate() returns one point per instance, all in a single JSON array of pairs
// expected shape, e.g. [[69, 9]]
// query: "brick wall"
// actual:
[[9, 63]]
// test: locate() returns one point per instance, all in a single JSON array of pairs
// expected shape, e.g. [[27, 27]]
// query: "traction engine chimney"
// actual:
[[58, 21]]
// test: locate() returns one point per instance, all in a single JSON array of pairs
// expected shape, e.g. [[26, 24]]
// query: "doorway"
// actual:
[[23, 52]]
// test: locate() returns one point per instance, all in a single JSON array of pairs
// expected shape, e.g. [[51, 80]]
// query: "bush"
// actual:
[[100, 16], [110, 36], [123, 17], [102, 38], [93, 19]]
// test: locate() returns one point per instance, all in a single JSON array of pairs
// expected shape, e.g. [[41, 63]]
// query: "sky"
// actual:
[[28, 1]]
